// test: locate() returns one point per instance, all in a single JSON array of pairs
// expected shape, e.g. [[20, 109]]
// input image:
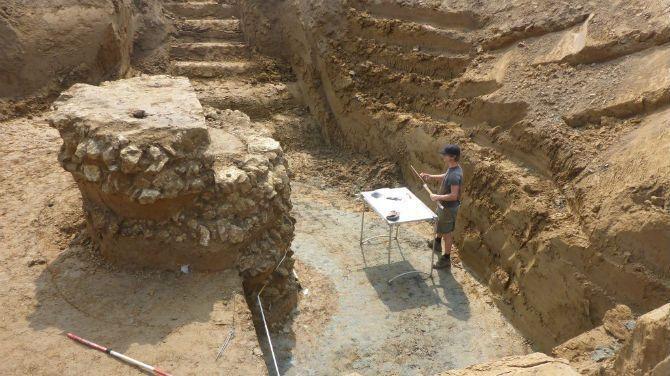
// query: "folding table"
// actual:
[[410, 209]]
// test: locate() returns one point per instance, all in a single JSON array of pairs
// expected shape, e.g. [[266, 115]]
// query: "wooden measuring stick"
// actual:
[[417, 174], [425, 186]]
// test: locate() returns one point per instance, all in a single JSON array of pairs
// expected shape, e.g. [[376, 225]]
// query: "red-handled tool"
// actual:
[[117, 355]]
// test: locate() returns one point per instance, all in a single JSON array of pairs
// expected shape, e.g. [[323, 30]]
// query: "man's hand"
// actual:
[[424, 176], [434, 197]]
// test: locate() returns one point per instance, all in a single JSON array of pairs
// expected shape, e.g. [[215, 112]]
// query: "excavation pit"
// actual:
[[542, 99]]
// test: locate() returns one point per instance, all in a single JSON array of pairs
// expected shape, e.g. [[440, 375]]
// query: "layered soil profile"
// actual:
[[562, 117], [47, 47]]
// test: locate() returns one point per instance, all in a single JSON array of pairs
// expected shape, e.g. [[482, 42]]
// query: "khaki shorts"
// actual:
[[446, 219]]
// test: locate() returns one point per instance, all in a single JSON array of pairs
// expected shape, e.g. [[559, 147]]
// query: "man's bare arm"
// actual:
[[453, 196], [426, 176]]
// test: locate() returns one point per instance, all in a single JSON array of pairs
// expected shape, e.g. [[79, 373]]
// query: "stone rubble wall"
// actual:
[[161, 188]]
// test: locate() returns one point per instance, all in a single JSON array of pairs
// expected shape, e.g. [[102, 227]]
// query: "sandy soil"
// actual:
[[411, 327], [48, 48], [543, 97], [53, 283], [347, 319], [546, 100]]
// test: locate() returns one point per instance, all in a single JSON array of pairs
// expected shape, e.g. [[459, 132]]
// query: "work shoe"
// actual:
[[443, 262]]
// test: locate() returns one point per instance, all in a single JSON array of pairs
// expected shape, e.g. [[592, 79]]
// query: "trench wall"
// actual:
[[537, 222], [47, 48]]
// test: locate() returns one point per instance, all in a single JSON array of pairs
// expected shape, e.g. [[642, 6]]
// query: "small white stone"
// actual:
[[122, 140], [236, 234], [158, 157], [93, 149], [204, 236], [109, 156], [80, 152], [130, 156], [229, 175], [263, 144], [197, 184], [148, 196], [221, 228], [91, 173], [157, 165], [154, 152]]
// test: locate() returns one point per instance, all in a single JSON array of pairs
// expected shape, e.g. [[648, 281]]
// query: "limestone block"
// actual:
[[536, 364], [648, 348]]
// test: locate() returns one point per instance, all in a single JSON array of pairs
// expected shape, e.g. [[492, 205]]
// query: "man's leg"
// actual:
[[445, 261], [436, 244], [446, 232], [448, 242]]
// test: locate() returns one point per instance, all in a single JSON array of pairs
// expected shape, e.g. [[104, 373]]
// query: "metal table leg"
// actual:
[[365, 240], [390, 242], [362, 221], [432, 252], [430, 275], [390, 235]]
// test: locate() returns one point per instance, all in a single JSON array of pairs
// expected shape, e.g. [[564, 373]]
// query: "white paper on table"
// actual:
[[409, 207]]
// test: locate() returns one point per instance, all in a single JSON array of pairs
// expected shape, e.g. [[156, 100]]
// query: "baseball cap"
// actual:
[[451, 149]]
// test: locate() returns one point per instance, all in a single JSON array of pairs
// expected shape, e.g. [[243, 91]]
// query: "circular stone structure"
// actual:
[[161, 189]]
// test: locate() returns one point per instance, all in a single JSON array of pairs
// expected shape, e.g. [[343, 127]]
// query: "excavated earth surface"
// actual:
[[50, 47], [347, 319], [410, 327], [562, 110], [54, 282]]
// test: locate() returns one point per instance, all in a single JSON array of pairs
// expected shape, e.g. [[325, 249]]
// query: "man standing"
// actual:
[[449, 197]]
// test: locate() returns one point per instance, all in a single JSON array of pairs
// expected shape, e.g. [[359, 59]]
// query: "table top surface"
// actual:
[[402, 200]]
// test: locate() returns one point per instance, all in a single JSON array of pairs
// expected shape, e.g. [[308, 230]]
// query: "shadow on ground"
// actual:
[[116, 308], [407, 292], [455, 298], [413, 290]]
